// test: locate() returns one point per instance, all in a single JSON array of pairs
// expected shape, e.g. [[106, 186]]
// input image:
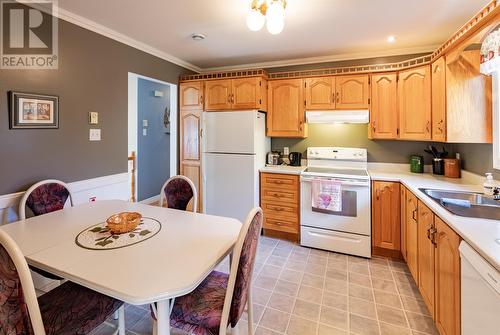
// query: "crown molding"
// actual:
[[324, 59], [100, 29]]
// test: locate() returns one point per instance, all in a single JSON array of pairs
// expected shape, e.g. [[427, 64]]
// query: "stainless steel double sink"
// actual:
[[468, 204]]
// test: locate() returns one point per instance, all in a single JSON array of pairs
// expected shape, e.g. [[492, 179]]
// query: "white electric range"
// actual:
[[349, 230]]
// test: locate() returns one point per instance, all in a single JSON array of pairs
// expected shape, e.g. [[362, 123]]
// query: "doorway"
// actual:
[[152, 134]]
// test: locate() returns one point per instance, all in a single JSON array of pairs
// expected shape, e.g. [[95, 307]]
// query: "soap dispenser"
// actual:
[[489, 184]]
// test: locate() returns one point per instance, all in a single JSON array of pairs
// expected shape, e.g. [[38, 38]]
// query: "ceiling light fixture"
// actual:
[[391, 39], [270, 12], [198, 37]]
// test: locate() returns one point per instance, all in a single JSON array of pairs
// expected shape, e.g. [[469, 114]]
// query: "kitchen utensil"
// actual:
[[274, 158], [438, 166], [417, 164], [452, 167], [295, 158]]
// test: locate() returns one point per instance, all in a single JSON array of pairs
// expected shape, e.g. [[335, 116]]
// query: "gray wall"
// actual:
[[92, 76], [356, 136], [477, 158]]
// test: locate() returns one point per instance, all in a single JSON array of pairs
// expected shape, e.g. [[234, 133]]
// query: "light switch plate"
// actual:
[[144, 123], [144, 132], [93, 117], [95, 135]]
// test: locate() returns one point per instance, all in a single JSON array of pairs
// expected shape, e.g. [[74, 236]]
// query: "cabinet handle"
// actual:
[[433, 236], [338, 99], [428, 126], [377, 193], [229, 98], [374, 126], [232, 98], [201, 99], [414, 215], [429, 233], [300, 125]]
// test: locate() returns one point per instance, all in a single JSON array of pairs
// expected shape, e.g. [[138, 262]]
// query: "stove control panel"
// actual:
[[337, 153]]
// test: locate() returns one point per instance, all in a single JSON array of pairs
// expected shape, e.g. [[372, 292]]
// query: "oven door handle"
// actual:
[[343, 182]]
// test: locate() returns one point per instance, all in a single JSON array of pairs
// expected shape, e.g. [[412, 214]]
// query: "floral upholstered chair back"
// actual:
[[245, 265], [45, 197], [17, 294], [177, 192]]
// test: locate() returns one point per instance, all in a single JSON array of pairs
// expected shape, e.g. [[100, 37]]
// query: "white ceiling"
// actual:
[[315, 30]]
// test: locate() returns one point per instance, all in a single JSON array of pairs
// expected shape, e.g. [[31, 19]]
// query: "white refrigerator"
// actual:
[[234, 149]]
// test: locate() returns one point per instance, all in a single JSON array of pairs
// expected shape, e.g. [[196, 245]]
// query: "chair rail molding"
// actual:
[[114, 186]]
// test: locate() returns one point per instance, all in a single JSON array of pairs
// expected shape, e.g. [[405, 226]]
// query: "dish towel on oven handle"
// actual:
[[326, 194]]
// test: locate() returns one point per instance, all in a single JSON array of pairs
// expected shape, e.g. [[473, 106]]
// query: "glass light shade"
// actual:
[[275, 17], [255, 20]]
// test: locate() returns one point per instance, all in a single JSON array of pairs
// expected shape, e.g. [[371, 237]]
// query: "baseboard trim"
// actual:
[[396, 254]]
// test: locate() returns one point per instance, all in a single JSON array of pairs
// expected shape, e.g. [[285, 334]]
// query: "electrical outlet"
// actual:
[[95, 135], [92, 199], [286, 151]]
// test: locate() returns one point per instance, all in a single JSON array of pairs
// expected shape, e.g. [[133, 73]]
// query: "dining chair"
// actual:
[[45, 197], [220, 300], [68, 309], [177, 192]]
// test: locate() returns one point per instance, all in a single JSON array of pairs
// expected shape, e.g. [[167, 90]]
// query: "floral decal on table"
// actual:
[[99, 237]]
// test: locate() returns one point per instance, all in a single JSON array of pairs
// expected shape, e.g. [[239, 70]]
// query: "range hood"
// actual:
[[338, 116]]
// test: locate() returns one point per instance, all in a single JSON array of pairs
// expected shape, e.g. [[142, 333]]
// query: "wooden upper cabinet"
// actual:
[[236, 94], [447, 280], [191, 95], [286, 115], [352, 92], [412, 234], [468, 99], [384, 106], [414, 93], [217, 94], [438, 74], [320, 93], [248, 93], [426, 248], [386, 221]]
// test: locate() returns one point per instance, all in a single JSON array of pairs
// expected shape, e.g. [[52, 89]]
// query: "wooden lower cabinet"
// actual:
[[402, 199], [447, 280], [426, 252], [280, 202], [412, 234], [386, 221]]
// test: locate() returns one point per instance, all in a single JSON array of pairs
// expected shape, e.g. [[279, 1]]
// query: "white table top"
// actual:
[[170, 264]]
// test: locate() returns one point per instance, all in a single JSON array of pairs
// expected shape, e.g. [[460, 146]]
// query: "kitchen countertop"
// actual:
[[478, 233], [285, 169]]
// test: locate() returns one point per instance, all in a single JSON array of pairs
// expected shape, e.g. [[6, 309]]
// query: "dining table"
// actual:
[[167, 256]]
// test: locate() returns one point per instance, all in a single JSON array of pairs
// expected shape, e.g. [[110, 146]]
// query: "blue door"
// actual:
[[153, 138]]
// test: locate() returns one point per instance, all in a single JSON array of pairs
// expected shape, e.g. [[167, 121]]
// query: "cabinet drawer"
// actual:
[[279, 181], [280, 195], [280, 210], [281, 225]]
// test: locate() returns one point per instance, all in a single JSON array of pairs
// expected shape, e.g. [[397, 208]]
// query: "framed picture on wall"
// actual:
[[33, 111]]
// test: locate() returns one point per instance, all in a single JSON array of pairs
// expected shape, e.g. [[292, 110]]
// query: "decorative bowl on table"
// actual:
[[124, 222]]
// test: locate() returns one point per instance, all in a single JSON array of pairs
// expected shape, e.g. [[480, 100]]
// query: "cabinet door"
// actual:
[[384, 106], [403, 220], [426, 255], [320, 93], [439, 100], [414, 92], [191, 95], [447, 280], [190, 150], [286, 116], [352, 92], [245, 93], [412, 234], [386, 221], [217, 95]]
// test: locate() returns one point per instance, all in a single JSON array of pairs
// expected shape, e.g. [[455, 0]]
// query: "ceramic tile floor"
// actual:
[[302, 291]]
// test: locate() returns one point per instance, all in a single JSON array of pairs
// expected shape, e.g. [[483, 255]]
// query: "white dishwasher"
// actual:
[[480, 294]]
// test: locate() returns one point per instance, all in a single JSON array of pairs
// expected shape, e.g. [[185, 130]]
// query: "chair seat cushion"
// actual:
[[71, 309], [200, 312]]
